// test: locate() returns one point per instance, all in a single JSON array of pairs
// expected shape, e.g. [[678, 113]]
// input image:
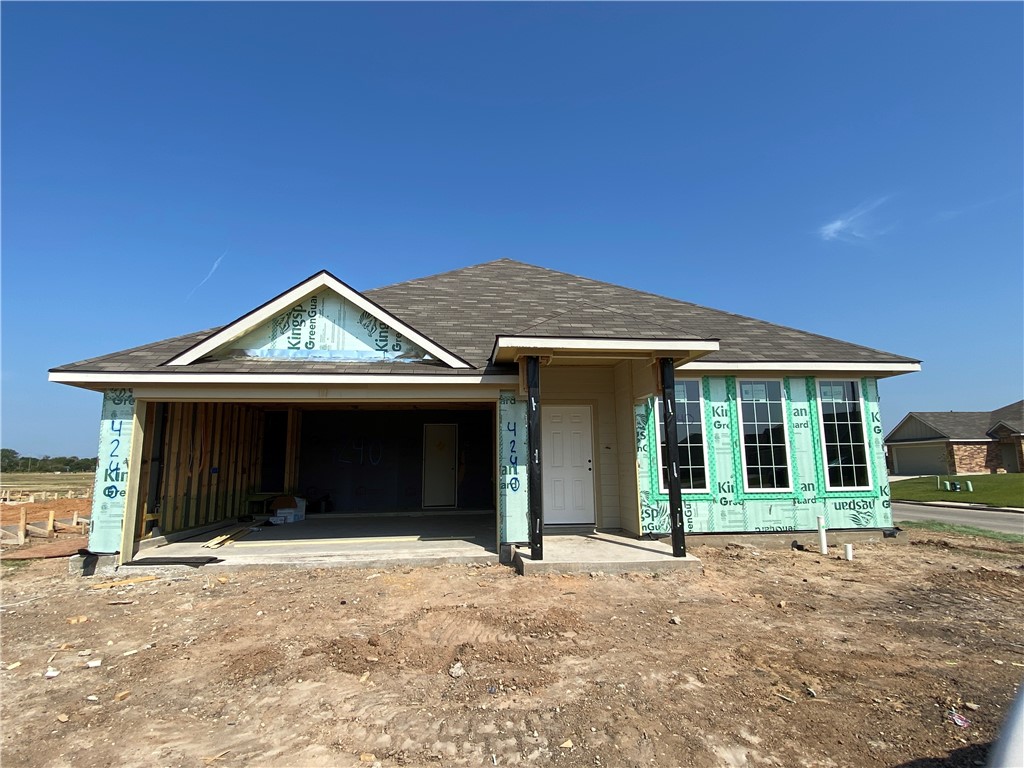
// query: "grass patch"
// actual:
[[961, 530], [37, 482], [995, 490], [13, 565]]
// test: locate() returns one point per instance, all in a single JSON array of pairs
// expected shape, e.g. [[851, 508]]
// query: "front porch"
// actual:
[[603, 552]]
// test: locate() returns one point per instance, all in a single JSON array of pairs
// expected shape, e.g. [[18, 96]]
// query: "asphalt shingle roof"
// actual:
[[1011, 415], [972, 425], [465, 309], [957, 425]]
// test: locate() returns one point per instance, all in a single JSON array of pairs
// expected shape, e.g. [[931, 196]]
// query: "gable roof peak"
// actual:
[[271, 312]]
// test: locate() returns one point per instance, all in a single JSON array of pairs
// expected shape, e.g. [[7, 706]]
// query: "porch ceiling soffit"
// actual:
[[253, 321], [561, 349]]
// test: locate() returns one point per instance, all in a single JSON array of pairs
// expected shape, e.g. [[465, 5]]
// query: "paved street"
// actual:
[[1006, 522]]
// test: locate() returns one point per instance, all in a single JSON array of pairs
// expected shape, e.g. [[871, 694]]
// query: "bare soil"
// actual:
[[39, 511], [779, 658]]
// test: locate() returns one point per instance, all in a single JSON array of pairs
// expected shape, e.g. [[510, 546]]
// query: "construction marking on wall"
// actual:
[[727, 507], [326, 325], [111, 489], [513, 482]]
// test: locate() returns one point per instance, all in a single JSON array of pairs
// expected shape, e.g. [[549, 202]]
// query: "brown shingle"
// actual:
[[465, 309]]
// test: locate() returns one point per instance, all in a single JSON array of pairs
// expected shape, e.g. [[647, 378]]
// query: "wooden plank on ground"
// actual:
[[228, 537], [124, 582]]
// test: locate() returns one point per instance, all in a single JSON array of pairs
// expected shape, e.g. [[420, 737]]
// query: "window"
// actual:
[[842, 435], [763, 425], [689, 433]]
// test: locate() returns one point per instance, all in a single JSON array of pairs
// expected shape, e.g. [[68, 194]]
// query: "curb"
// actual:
[[958, 504]]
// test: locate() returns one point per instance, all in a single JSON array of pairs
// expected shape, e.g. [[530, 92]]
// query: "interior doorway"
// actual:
[[440, 465]]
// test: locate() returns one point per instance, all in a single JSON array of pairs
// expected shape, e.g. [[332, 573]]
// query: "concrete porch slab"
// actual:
[[603, 552]]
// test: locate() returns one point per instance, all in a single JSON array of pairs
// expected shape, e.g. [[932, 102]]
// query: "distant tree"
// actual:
[[9, 460], [12, 461]]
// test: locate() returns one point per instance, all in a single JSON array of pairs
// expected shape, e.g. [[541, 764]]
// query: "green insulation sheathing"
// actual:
[[111, 489], [513, 482], [725, 506]]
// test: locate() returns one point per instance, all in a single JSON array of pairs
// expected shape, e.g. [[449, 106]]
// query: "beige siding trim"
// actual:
[[629, 492]]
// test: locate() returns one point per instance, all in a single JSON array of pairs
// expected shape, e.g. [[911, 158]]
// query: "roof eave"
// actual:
[[878, 370]]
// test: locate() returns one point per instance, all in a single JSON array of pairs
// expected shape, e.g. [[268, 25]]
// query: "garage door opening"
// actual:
[[375, 461]]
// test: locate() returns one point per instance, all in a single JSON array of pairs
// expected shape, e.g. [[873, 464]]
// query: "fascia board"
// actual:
[[509, 346], [284, 301], [796, 367], [115, 379]]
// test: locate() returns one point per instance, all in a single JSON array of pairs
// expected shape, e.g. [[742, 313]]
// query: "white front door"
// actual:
[[568, 464]]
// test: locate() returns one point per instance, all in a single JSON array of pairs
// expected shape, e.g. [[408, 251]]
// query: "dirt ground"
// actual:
[[779, 658], [65, 509]]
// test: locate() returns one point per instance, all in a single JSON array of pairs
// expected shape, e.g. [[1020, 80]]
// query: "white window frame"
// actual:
[[784, 401], [659, 419], [864, 432]]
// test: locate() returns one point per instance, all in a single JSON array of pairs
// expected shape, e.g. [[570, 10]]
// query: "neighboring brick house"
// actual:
[[958, 442]]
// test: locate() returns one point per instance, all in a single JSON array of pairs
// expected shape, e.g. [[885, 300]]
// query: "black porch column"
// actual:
[[675, 497], [535, 477]]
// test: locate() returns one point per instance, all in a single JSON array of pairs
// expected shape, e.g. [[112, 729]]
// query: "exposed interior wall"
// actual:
[[200, 464], [593, 386], [371, 458]]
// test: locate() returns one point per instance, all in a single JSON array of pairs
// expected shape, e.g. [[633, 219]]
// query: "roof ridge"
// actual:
[[447, 272]]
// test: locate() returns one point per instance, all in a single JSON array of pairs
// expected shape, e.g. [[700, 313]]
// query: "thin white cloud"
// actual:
[[853, 225], [209, 274], [955, 212]]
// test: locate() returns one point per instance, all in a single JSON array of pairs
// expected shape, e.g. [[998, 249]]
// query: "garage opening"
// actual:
[[375, 460], [375, 480]]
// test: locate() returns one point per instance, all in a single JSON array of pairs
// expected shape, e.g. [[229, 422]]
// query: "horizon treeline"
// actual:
[[12, 461]]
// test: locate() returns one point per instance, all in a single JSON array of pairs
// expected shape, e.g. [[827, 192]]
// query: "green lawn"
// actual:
[[994, 490]]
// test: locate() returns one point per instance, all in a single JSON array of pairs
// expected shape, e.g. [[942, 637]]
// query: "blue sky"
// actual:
[[853, 170]]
